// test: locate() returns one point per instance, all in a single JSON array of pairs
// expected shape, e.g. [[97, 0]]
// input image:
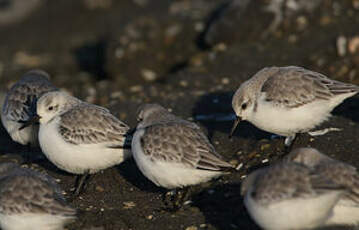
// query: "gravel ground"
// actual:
[[189, 56]]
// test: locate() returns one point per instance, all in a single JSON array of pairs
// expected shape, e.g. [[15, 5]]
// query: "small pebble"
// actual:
[[191, 228], [225, 81], [325, 20], [149, 75], [173, 30], [221, 47], [292, 38], [265, 146], [99, 188], [136, 88], [239, 166], [199, 26], [119, 53], [302, 22], [341, 46], [25, 59], [117, 95], [265, 160], [183, 83], [187, 202], [129, 204], [353, 45]]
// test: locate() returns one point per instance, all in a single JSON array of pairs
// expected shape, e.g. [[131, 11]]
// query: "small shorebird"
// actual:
[[20, 105], [289, 195], [30, 200], [288, 100], [172, 152], [79, 137]]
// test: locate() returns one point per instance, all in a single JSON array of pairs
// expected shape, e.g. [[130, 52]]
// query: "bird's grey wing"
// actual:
[[295, 86], [286, 181], [342, 174], [20, 102], [20, 194], [89, 124], [179, 143]]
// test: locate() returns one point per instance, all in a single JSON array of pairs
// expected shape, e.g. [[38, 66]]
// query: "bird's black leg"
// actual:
[[181, 197], [175, 199], [80, 183], [28, 155], [167, 199], [289, 142]]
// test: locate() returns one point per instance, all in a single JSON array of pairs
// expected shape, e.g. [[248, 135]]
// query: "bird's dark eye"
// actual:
[[51, 108], [244, 106]]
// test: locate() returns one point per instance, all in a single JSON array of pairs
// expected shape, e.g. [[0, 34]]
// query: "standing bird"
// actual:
[[346, 211], [288, 100], [289, 195], [30, 200], [172, 152], [20, 106], [79, 137]]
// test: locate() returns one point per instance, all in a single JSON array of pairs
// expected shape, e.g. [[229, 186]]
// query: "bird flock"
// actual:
[[303, 190]]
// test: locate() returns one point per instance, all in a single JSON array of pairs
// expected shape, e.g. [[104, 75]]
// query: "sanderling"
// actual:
[[20, 105], [31, 200], [79, 137], [289, 195], [288, 100], [346, 211], [172, 152]]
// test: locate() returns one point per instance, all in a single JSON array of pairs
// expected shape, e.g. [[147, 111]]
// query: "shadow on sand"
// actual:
[[214, 111]]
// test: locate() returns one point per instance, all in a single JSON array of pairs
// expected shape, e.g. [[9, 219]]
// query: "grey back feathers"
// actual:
[[105, 128], [285, 181], [171, 139], [295, 86], [20, 101], [339, 172], [26, 191]]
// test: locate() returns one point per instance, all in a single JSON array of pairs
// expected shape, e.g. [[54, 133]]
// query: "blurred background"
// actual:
[[103, 49], [188, 55]]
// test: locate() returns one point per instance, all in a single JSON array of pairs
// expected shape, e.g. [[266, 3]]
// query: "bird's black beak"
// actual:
[[235, 124], [33, 120]]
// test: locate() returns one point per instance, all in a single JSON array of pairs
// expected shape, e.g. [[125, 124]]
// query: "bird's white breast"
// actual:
[[33, 221], [167, 174], [288, 121], [76, 158], [344, 214], [296, 213]]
